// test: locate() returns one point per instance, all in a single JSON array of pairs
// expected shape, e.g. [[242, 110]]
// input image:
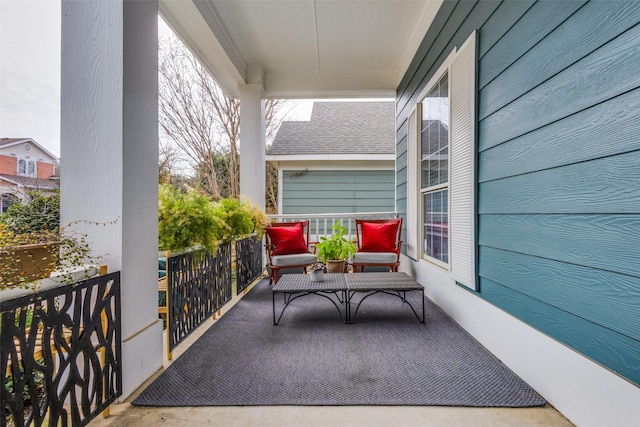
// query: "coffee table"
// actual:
[[342, 289], [294, 286]]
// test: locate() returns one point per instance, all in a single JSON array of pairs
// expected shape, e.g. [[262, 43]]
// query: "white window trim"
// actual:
[[26, 167], [444, 68]]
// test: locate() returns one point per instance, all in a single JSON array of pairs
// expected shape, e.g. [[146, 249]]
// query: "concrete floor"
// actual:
[[123, 414], [317, 416]]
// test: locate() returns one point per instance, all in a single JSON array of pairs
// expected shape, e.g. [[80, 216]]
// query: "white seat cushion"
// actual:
[[375, 257], [294, 259]]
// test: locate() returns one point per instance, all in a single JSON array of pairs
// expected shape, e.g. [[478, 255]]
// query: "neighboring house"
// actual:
[[341, 160], [25, 166]]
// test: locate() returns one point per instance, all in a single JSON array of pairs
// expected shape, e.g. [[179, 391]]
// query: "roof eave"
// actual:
[[330, 157]]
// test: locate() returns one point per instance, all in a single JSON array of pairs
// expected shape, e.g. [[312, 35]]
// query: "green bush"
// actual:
[[234, 214], [186, 220], [41, 214], [258, 217]]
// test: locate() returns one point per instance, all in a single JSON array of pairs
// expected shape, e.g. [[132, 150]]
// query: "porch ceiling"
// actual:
[[304, 48]]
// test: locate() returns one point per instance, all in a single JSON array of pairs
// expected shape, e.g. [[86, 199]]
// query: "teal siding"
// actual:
[[334, 191], [558, 166]]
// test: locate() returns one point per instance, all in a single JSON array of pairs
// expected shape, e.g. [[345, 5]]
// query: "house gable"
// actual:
[[12, 150]]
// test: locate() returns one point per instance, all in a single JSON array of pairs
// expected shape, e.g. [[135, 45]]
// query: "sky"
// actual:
[[30, 71]]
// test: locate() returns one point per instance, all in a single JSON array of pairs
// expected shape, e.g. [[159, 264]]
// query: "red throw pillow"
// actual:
[[379, 237], [287, 240]]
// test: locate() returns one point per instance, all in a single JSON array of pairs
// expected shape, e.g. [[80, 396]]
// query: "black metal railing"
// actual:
[[248, 261], [60, 353], [198, 284]]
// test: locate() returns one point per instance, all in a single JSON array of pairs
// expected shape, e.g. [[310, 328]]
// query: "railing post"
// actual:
[[167, 255], [102, 270]]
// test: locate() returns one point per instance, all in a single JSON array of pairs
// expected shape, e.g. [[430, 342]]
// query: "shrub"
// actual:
[[234, 214], [40, 215], [259, 219], [186, 220]]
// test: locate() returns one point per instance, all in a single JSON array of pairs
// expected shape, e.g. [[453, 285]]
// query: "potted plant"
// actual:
[[335, 250], [316, 272], [33, 245]]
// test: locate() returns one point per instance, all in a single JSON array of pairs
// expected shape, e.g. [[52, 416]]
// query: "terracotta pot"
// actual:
[[335, 266]]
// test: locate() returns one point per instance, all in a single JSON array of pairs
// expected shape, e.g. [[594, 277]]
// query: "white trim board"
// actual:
[[389, 157], [346, 165], [583, 391]]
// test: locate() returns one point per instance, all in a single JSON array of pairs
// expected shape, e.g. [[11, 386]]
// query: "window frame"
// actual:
[[27, 162], [462, 250], [441, 186], [435, 79]]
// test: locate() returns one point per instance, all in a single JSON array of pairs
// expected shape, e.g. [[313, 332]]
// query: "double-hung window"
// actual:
[[440, 168], [434, 167]]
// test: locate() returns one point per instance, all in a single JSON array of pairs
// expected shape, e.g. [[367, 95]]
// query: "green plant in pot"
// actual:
[[335, 250], [33, 245]]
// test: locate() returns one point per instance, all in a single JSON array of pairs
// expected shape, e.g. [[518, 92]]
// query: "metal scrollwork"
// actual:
[[248, 261], [198, 285], [60, 353]]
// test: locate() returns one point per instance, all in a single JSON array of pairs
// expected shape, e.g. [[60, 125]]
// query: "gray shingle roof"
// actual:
[[339, 128], [29, 182]]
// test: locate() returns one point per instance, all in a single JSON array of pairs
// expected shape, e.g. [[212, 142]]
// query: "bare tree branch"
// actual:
[[204, 123]]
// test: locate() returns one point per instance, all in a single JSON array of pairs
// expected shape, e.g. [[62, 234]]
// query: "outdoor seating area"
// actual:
[[346, 290], [290, 248]]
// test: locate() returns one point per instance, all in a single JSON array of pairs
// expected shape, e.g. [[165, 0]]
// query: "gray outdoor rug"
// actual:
[[387, 357]]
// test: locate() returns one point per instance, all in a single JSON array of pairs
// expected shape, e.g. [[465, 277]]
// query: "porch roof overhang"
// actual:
[[304, 48], [390, 157]]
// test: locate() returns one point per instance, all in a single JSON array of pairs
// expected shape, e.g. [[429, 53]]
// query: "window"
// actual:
[[6, 200], [22, 167], [26, 167], [434, 164], [441, 168]]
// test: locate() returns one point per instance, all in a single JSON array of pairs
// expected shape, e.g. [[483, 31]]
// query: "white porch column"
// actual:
[[252, 144], [109, 155]]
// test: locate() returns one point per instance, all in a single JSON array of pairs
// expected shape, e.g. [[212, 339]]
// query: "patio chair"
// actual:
[[287, 245], [379, 244]]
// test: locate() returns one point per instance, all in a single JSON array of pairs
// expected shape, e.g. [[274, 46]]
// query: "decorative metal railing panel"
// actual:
[[198, 285], [60, 353], [248, 261]]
